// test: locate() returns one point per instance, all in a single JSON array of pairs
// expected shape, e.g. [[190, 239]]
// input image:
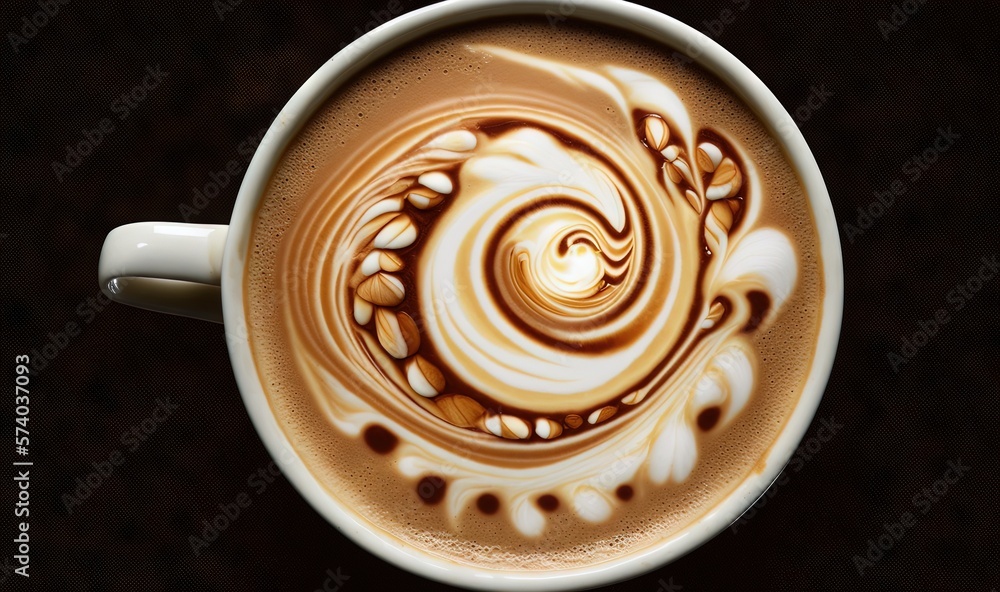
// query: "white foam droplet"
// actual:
[[542, 428], [713, 153], [437, 181], [457, 141], [708, 391], [384, 206], [767, 257], [370, 265], [591, 505], [418, 382], [673, 453], [493, 425], [517, 426], [527, 518], [362, 310], [396, 235], [718, 191]]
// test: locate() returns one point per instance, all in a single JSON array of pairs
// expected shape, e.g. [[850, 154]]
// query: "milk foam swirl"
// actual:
[[539, 303]]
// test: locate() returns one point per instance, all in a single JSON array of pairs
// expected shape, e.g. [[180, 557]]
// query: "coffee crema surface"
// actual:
[[533, 297]]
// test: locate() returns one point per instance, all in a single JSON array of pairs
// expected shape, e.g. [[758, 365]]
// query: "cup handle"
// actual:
[[166, 267]]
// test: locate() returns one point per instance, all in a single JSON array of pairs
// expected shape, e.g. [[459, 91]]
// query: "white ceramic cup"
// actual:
[[198, 270]]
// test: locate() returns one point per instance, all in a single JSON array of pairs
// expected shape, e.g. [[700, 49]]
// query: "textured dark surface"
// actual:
[[885, 96]]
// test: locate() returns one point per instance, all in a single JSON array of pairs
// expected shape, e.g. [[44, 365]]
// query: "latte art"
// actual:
[[533, 298], [525, 295]]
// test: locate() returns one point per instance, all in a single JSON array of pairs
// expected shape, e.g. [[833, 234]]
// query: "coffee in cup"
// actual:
[[532, 297]]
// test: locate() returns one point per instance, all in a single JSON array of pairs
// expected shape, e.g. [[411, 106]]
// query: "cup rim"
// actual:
[[398, 31]]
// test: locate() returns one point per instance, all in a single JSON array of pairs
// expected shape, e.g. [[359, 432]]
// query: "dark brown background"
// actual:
[[227, 77]]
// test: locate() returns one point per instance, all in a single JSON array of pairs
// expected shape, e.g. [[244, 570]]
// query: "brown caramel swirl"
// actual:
[[524, 295]]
